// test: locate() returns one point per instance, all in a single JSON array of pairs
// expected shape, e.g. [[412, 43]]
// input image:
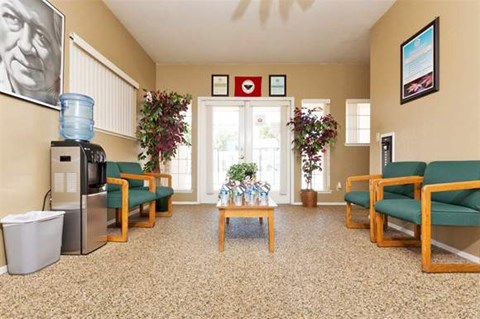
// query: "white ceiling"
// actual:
[[252, 31]]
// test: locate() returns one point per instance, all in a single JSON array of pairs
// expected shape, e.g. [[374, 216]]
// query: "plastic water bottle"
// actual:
[[76, 117], [263, 199], [223, 197]]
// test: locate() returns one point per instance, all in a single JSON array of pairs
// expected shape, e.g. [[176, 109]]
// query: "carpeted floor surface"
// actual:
[[319, 269]]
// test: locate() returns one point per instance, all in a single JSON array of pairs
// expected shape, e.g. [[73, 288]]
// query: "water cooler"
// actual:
[[78, 184]]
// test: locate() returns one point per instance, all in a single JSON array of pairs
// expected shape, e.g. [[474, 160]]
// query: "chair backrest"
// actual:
[[132, 168], [400, 169], [113, 171], [454, 171]]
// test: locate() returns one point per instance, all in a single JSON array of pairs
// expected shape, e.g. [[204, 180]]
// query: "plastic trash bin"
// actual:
[[32, 240]]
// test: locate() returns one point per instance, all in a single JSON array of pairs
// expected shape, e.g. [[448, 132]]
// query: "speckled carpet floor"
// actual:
[[319, 269]]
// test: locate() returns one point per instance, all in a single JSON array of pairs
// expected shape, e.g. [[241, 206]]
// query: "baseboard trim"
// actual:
[[185, 203], [323, 203], [451, 249], [3, 270]]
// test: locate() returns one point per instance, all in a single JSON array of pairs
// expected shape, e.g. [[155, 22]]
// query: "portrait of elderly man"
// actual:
[[31, 34]]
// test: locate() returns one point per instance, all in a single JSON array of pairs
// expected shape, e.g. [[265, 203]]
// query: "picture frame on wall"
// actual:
[[220, 84], [277, 85], [32, 69], [420, 63]]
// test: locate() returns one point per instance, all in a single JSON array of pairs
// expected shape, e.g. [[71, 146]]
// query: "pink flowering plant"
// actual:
[[162, 127], [312, 135]]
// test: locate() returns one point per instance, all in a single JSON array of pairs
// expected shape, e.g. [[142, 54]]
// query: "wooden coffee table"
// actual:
[[245, 211]]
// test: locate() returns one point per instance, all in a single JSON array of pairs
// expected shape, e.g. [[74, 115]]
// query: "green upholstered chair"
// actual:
[[163, 192], [366, 199], [450, 197], [123, 196]]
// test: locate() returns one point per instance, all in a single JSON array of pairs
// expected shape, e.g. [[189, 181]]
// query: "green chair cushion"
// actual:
[[132, 168], [362, 198], [113, 171], [163, 191], [442, 214], [135, 198], [454, 171], [400, 169], [162, 194]]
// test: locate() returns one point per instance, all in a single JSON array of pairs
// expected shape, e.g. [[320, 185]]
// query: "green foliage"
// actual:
[[162, 127], [312, 134], [238, 172]]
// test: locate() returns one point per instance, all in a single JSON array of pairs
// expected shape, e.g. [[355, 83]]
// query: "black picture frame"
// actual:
[[419, 64], [277, 85], [220, 83], [37, 78]]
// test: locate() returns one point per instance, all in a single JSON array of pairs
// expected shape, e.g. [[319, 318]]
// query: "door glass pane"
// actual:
[[266, 141], [225, 142]]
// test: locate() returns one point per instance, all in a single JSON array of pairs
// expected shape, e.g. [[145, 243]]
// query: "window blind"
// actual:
[[112, 89]]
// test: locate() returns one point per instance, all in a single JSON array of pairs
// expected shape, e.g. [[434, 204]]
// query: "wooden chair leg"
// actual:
[[428, 266], [124, 227], [141, 209], [391, 242], [373, 230], [151, 217], [350, 223], [169, 211]]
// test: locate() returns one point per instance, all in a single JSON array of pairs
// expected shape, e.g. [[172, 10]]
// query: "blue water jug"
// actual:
[[76, 117]]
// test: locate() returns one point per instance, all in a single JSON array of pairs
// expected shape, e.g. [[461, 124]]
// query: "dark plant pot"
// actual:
[[309, 197]]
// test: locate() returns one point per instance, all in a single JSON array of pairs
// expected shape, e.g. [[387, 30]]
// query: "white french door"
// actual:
[[235, 130]]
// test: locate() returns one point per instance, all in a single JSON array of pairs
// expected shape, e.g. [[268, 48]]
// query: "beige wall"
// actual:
[[26, 129], [337, 82], [440, 126]]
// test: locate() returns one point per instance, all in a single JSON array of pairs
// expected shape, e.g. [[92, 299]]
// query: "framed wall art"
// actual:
[[31, 51], [219, 85], [420, 63], [278, 85]]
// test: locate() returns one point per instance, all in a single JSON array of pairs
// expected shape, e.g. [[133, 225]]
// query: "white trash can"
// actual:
[[32, 240]]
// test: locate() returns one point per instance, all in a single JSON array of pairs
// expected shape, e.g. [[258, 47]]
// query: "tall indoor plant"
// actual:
[[312, 134], [162, 127]]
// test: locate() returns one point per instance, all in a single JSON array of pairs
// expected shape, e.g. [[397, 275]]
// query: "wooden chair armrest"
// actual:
[[150, 179], [405, 180], [118, 181], [453, 186], [122, 182], [381, 183], [359, 178], [168, 177]]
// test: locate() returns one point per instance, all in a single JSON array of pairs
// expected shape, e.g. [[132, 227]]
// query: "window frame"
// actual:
[[357, 101]]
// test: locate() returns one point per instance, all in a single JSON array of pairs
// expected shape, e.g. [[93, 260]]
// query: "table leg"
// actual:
[[271, 239], [221, 230], [260, 219]]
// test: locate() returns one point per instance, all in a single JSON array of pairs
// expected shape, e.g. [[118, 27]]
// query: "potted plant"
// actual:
[[162, 127], [312, 134], [240, 171]]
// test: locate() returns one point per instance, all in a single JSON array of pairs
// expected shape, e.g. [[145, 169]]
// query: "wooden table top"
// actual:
[[231, 205]]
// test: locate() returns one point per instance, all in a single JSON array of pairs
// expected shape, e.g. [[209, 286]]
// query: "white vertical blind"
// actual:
[[113, 90]]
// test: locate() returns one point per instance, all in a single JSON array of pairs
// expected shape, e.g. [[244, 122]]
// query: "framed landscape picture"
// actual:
[[420, 63], [31, 51]]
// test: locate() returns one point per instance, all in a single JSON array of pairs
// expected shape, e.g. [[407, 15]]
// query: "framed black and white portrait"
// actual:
[[31, 51]]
